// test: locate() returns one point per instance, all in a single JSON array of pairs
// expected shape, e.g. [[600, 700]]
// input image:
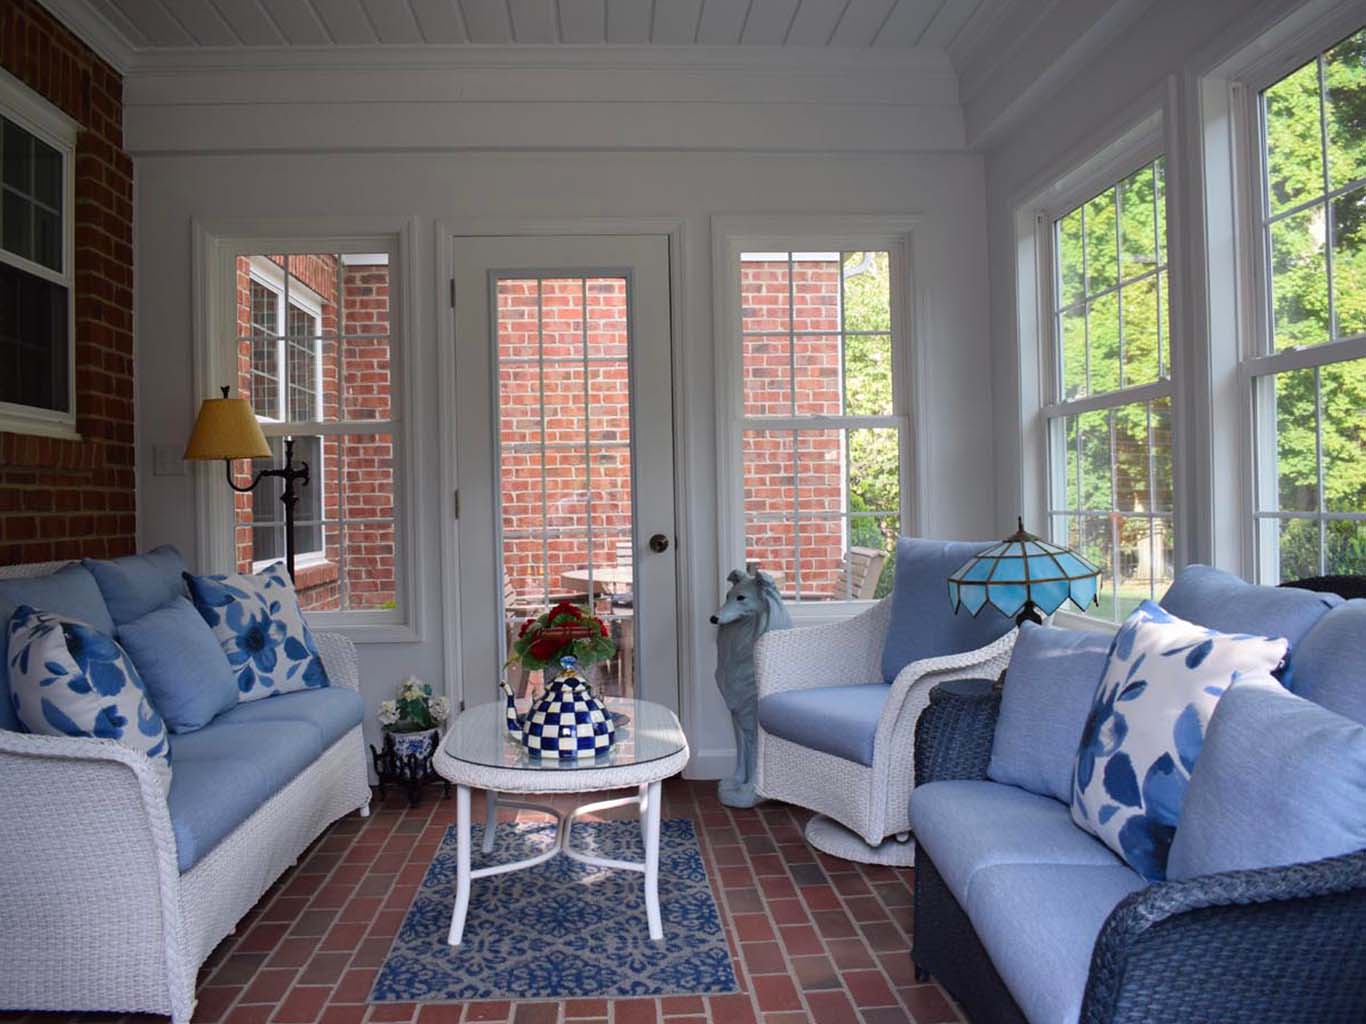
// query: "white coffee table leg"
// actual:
[[651, 822], [490, 819], [462, 864]]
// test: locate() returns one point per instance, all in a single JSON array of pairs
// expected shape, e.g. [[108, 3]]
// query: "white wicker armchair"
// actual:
[[94, 913], [872, 802]]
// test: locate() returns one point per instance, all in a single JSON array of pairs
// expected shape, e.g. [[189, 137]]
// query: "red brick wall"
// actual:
[[357, 469], [68, 499]]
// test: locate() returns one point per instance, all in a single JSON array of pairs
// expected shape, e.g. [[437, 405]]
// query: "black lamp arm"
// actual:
[[291, 474]]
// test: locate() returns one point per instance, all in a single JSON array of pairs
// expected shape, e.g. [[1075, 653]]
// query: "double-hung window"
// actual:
[[314, 345], [37, 377], [1307, 367], [1107, 390], [822, 424]]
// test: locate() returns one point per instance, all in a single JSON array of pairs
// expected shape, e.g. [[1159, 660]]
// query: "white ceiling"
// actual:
[[157, 25]]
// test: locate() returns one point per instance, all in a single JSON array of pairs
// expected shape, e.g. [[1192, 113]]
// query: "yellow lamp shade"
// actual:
[[227, 429]]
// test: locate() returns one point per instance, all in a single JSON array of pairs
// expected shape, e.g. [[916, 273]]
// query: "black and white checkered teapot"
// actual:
[[568, 722]]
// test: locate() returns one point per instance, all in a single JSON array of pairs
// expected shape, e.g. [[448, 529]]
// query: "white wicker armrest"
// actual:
[[87, 847], [922, 676], [339, 658], [837, 654]]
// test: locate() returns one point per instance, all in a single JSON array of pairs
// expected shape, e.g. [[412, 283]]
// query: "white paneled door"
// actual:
[[565, 451]]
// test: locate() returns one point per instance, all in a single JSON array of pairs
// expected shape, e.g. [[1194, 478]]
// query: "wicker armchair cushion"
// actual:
[[1280, 781], [1330, 662], [1039, 924], [839, 720], [967, 826], [226, 770], [923, 623], [70, 591], [137, 584], [1163, 679], [1049, 685], [1222, 601], [186, 673]]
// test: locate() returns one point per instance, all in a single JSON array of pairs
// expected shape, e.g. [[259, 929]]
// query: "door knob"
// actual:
[[659, 543]]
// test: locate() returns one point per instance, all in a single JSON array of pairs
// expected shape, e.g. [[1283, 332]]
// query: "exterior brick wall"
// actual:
[[61, 498], [357, 469]]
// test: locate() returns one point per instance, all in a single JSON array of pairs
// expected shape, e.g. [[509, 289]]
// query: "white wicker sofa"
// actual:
[[95, 914], [860, 805]]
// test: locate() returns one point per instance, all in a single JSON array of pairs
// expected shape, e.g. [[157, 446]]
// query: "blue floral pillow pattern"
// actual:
[[258, 622], [69, 679], [1163, 679]]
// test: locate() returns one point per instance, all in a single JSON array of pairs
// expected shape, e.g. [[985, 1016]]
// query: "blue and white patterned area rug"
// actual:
[[562, 929]]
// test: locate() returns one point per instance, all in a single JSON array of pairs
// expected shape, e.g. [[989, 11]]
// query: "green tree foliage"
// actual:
[[1315, 120]]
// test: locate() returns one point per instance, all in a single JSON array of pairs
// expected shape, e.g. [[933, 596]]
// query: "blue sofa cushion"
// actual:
[[1220, 600], [1280, 781], [924, 624], [1049, 685], [69, 679], [186, 673], [137, 584], [969, 825], [226, 770], [261, 630], [1039, 923], [1330, 663], [70, 592], [1163, 679], [839, 720]]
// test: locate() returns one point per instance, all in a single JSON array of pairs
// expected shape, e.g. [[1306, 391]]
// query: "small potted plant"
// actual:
[[413, 718]]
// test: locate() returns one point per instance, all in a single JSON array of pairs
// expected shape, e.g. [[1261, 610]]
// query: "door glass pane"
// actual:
[[564, 461]]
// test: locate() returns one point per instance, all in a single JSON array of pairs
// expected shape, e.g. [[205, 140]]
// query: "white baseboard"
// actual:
[[710, 764]]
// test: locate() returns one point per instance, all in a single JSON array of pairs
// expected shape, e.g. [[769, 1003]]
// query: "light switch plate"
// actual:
[[166, 460]]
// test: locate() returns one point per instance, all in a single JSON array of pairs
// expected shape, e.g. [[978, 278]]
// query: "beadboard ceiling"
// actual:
[[155, 25]]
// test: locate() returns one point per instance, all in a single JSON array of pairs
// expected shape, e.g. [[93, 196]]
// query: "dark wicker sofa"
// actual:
[[1276, 946]]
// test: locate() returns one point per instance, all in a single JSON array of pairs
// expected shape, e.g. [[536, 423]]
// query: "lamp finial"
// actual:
[[225, 390]]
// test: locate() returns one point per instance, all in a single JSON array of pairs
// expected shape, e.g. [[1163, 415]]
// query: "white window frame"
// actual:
[[40, 118], [731, 237], [1258, 362], [217, 247]]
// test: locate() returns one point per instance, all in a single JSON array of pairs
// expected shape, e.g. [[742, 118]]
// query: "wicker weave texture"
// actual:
[[91, 866], [874, 800]]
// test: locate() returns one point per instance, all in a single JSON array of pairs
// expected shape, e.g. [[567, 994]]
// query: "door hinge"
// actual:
[[461, 707], [452, 293], [456, 505]]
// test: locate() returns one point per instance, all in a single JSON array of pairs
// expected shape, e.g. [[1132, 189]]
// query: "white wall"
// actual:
[[199, 157], [1155, 66]]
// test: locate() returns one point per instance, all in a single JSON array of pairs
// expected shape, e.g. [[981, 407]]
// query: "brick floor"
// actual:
[[813, 938]]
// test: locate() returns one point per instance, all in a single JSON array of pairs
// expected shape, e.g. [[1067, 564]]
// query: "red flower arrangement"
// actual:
[[565, 629]]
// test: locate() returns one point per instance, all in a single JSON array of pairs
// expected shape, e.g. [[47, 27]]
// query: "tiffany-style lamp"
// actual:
[[1025, 577]]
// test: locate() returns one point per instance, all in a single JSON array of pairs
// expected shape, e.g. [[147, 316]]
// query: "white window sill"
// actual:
[[822, 613], [1082, 623], [12, 424], [362, 632]]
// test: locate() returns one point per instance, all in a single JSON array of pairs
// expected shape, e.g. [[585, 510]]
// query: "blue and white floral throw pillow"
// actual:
[[69, 679], [1163, 679], [258, 622]]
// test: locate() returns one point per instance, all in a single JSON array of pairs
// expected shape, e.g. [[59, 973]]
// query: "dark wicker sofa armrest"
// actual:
[[953, 736], [1278, 944]]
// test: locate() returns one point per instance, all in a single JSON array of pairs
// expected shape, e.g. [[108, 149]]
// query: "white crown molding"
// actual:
[[91, 28]]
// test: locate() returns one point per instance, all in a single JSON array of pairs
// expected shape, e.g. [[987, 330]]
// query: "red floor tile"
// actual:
[[776, 992]]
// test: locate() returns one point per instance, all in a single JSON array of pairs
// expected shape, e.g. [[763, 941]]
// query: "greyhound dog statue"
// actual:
[[752, 607]]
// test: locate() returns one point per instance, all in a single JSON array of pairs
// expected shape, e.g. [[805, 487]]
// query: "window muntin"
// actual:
[[36, 287], [1308, 378], [314, 352], [821, 440], [1109, 422]]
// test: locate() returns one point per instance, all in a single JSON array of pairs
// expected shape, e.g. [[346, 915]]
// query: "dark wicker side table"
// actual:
[[967, 709]]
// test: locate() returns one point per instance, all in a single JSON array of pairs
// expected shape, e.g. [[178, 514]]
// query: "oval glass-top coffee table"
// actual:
[[478, 752]]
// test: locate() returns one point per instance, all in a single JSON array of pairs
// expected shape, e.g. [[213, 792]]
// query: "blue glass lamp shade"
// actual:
[[1023, 574]]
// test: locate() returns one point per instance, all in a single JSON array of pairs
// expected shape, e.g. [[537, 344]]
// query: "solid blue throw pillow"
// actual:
[[1280, 781], [137, 584], [1219, 600], [260, 627], [1049, 685], [1142, 740], [180, 661], [923, 623], [1330, 663]]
